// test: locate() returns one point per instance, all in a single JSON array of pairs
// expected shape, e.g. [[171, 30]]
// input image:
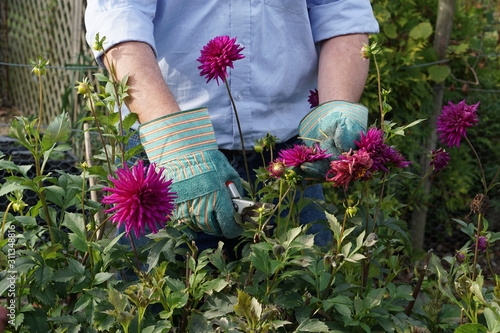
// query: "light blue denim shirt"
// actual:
[[270, 85]]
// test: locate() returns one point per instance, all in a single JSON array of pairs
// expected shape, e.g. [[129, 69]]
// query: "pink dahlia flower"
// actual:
[[439, 159], [349, 167], [219, 53], [301, 153], [141, 197], [453, 122]]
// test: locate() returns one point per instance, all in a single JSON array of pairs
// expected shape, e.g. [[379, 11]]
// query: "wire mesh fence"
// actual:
[[48, 29]]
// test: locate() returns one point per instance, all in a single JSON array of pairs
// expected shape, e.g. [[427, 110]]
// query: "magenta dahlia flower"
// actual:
[[383, 155], [349, 167], [439, 159], [141, 197], [301, 153], [313, 98], [219, 53], [453, 122]]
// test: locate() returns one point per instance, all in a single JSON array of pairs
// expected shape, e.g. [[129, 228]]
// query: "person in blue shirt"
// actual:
[[290, 48]]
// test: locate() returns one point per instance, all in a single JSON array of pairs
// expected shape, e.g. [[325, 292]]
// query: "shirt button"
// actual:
[[239, 96]]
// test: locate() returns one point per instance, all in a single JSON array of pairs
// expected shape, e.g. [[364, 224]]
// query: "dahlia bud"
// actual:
[[351, 211], [460, 257], [368, 51], [40, 67], [19, 206], [277, 168], [482, 243], [365, 53], [258, 148], [290, 175], [261, 210], [83, 88], [38, 71], [439, 159], [98, 43]]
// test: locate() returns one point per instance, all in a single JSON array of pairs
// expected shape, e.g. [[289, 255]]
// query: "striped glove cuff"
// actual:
[[178, 134]]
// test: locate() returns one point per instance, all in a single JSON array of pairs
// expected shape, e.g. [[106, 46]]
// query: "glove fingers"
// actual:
[[344, 142], [316, 169], [224, 214], [198, 214], [212, 214]]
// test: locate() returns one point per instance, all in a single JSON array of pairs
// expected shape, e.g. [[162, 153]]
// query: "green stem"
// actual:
[[4, 220], [137, 261], [476, 247], [92, 109], [83, 198], [276, 208], [341, 236], [494, 179], [488, 260], [379, 91], [38, 169], [270, 287], [40, 105], [243, 150], [375, 216], [328, 290], [418, 286], [417, 188], [140, 316], [112, 71], [483, 177]]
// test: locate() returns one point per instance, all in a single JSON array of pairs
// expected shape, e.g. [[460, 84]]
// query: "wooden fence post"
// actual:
[[444, 26]]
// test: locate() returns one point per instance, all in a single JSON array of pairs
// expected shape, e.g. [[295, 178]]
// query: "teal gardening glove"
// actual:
[[334, 125], [184, 144]]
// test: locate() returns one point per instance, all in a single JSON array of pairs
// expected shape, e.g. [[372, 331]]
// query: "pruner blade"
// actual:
[[245, 207]]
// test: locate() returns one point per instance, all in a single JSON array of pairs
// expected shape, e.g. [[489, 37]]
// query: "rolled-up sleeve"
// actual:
[[119, 21], [341, 17]]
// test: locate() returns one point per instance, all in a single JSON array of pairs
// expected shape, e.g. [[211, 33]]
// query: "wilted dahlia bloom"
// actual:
[[439, 159], [349, 167], [453, 122], [219, 53], [141, 197]]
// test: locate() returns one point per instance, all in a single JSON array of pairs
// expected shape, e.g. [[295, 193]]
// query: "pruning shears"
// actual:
[[242, 207]]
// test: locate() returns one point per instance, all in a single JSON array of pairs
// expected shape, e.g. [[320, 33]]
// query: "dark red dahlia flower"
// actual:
[[349, 167]]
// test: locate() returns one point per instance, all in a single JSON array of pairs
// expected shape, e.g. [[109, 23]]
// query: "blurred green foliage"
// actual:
[[410, 68]]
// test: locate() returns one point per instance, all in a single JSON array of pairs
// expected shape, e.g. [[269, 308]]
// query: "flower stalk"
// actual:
[[240, 132]]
